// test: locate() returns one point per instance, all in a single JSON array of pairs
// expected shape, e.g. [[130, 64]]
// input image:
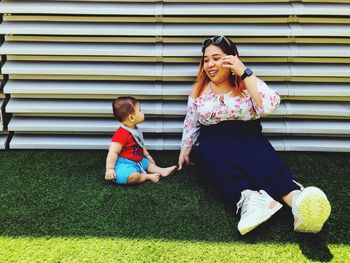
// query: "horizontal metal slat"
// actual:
[[154, 29], [76, 29], [168, 69], [318, 109], [3, 139], [74, 68], [170, 39], [256, 9], [108, 125], [173, 59], [174, 108], [89, 125], [204, 19], [102, 142], [291, 30], [172, 9], [310, 91], [317, 127], [87, 8], [317, 144], [168, 50], [161, 90], [239, 1], [81, 49], [83, 142], [97, 87], [319, 8], [209, 1], [90, 107]]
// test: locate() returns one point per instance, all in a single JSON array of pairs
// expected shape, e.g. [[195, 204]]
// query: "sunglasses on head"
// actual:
[[215, 40]]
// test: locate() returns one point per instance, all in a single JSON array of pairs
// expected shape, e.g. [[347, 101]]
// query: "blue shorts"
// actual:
[[125, 167]]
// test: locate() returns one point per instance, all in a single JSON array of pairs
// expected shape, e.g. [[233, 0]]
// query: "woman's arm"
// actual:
[[251, 84], [184, 156], [191, 125], [269, 98], [190, 131], [237, 67], [264, 99]]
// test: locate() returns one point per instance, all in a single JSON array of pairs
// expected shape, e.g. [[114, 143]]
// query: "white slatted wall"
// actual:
[[3, 132], [66, 61]]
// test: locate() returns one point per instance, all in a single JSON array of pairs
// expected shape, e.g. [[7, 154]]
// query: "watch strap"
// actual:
[[247, 72]]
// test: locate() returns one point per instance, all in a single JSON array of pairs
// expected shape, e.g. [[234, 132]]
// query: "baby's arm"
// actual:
[[147, 155], [114, 149]]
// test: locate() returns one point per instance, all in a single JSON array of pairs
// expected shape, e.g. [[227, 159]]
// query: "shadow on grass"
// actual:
[[63, 193], [313, 247]]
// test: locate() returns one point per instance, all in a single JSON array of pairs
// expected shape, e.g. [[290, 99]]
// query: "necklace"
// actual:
[[211, 90]]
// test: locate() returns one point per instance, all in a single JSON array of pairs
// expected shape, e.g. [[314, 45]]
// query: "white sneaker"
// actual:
[[256, 208], [310, 208]]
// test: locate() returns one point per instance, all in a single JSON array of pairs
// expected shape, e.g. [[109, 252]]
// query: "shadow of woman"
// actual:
[[313, 247]]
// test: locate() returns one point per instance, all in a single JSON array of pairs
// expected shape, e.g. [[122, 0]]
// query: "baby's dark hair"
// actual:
[[123, 107]]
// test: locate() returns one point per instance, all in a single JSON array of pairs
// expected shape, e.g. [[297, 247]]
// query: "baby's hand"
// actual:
[[110, 174], [149, 157]]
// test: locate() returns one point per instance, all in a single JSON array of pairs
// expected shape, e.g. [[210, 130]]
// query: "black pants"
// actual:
[[236, 156]]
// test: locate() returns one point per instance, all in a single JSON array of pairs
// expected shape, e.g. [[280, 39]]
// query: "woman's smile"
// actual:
[[212, 72]]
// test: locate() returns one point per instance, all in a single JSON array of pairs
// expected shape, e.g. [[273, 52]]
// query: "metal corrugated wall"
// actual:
[[63, 62]]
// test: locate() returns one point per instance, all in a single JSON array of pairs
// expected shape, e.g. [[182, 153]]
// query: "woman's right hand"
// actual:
[[184, 157]]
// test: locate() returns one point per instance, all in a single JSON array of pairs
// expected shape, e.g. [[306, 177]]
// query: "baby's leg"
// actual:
[[138, 178], [153, 168]]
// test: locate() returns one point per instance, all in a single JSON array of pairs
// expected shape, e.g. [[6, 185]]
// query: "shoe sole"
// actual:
[[313, 209], [269, 214]]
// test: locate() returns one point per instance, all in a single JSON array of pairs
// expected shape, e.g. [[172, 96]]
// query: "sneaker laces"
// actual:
[[246, 198], [299, 184], [241, 204], [295, 195]]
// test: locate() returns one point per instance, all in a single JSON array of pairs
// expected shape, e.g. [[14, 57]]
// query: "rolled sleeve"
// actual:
[[270, 99], [191, 125]]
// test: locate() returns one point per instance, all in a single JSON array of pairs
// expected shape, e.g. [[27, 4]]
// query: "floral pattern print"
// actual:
[[211, 108]]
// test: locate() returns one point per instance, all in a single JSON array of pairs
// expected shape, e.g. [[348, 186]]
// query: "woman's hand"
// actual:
[[184, 157], [235, 64], [110, 174]]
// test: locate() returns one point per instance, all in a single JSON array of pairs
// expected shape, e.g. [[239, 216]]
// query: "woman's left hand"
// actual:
[[235, 64]]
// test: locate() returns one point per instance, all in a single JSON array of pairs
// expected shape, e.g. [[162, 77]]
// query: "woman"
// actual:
[[222, 127]]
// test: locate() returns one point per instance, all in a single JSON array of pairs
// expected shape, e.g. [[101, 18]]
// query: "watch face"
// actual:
[[248, 72]]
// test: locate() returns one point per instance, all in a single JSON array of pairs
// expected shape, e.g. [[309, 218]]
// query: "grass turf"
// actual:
[[56, 206]]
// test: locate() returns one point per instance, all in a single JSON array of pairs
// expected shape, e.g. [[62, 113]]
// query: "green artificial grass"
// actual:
[[57, 207]]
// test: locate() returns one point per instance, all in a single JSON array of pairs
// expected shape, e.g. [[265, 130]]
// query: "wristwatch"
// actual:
[[247, 72]]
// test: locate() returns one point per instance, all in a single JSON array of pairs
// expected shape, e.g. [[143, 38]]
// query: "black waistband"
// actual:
[[231, 128]]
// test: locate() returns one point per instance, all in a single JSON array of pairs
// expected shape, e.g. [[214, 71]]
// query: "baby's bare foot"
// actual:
[[168, 171], [153, 177]]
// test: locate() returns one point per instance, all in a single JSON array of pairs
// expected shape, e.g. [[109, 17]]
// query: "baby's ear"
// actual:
[[131, 118]]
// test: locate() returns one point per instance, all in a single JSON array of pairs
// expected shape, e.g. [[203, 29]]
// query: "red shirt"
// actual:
[[131, 150]]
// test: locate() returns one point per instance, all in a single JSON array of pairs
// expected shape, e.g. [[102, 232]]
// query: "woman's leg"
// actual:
[[264, 169], [310, 206], [219, 167], [256, 207]]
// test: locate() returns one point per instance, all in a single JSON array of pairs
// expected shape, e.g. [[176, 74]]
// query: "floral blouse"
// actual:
[[211, 108]]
